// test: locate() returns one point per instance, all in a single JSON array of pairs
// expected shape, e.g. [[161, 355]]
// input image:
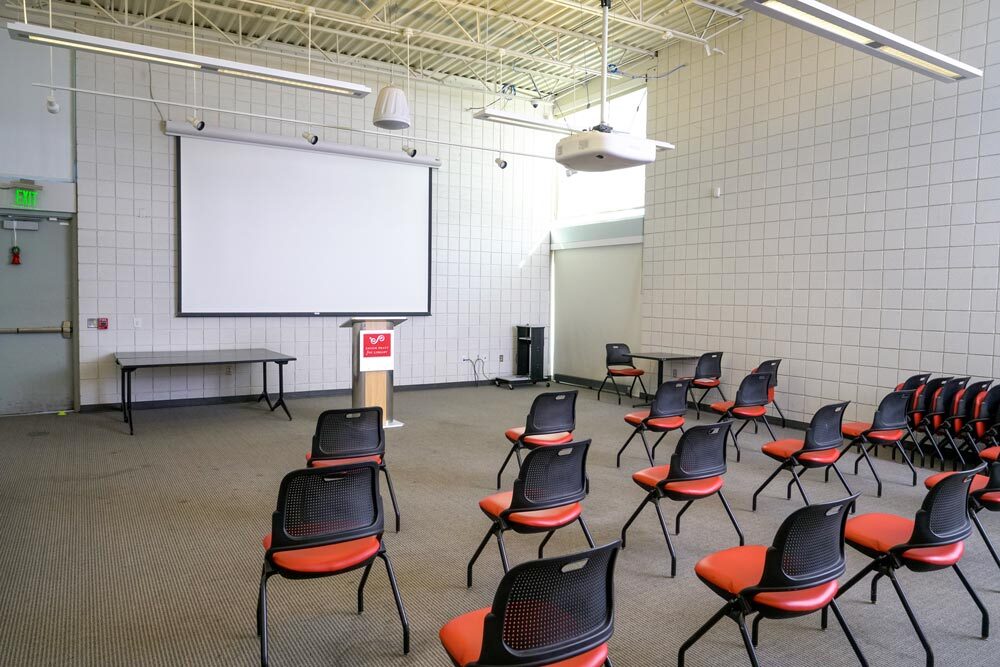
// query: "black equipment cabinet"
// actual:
[[530, 358]]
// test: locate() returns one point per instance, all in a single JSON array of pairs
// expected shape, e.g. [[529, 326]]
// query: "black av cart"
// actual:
[[530, 358]]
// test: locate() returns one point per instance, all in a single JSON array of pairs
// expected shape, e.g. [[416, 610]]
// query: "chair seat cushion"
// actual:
[[625, 372], [706, 382], [462, 638], [513, 434], [326, 559], [555, 517], [877, 533], [855, 429], [730, 571], [782, 450], [990, 454], [659, 423], [746, 411], [325, 463], [650, 478], [722, 407], [979, 482]]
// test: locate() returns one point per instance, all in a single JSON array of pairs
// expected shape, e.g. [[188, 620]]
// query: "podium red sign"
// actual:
[[377, 344]]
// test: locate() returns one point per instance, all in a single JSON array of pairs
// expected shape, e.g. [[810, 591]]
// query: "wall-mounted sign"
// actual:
[[24, 198], [377, 350]]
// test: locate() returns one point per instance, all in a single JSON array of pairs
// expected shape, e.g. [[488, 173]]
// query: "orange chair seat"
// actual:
[[879, 533], [855, 429], [659, 423], [990, 454], [555, 517], [747, 411], [706, 382], [326, 559], [626, 372], [782, 450], [326, 463], [513, 434], [730, 571], [979, 482], [650, 478], [462, 638], [993, 498]]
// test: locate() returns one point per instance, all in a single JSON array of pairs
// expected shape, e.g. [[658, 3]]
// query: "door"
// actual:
[[36, 368]]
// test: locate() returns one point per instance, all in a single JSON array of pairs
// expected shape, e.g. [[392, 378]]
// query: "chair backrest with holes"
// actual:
[[891, 412], [709, 366], [968, 401], [551, 476], [808, 549], [547, 611], [670, 399], [914, 383], [987, 409], [319, 506], [700, 453], [824, 430], [944, 402], [770, 366], [943, 517], [925, 401], [552, 412], [753, 390], [349, 433], [618, 354], [992, 486]]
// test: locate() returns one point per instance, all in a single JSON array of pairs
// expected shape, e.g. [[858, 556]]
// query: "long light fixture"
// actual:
[[114, 47], [518, 120], [846, 29]]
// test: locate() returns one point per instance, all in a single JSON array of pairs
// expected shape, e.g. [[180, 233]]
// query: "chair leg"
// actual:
[[871, 466], [361, 586], [916, 445], [847, 631], [262, 615], [780, 413], [631, 387], [392, 494], [740, 429], [699, 633], [645, 443], [747, 642], [399, 602], [479, 550], [666, 536], [840, 477], [975, 598], [874, 590], [677, 519], [617, 392], [906, 458], [753, 502], [635, 515], [697, 403], [545, 540], [913, 619], [618, 460], [503, 551], [513, 448], [732, 517], [642, 384], [986, 538], [601, 388], [658, 441], [586, 533], [763, 418], [798, 483], [755, 630], [959, 459]]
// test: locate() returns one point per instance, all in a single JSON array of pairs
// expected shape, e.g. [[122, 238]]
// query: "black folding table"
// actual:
[[661, 358], [130, 362]]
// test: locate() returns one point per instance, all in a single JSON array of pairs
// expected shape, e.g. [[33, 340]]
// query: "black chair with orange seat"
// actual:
[[618, 361], [556, 612], [984, 494], [551, 421], [887, 428], [546, 497], [821, 448], [749, 406], [795, 576], [348, 436], [936, 422], [328, 521], [966, 404], [665, 414], [771, 366], [921, 403], [707, 376], [980, 432], [934, 540], [695, 472]]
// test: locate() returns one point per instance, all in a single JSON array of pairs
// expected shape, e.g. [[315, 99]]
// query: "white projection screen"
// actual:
[[268, 230]]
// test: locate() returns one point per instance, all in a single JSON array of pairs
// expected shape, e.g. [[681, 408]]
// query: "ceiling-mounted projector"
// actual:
[[594, 150]]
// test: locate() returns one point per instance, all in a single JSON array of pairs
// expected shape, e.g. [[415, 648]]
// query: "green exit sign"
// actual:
[[25, 198]]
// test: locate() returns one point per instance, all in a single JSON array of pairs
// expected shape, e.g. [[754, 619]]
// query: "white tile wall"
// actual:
[[490, 241], [857, 235]]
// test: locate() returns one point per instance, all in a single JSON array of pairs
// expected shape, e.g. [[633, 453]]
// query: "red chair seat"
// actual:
[[993, 498], [462, 638], [706, 382], [990, 454], [325, 463], [659, 423], [556, 517], [626, 372], [979, 482], [326, 559], [730, 571], [747, 411], [513, 434], [722, 407], [782, 450], [878, 533], [649, 478], [855, 429]]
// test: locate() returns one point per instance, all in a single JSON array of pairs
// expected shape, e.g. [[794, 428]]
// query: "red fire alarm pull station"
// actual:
[[102, 323]]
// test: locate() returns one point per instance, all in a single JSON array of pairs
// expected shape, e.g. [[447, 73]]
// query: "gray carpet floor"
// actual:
[[146, 550]]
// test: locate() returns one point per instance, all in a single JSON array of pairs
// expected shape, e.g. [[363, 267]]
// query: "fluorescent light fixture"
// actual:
[[833, 24], [517, 120], [114, 47], [714, 8]]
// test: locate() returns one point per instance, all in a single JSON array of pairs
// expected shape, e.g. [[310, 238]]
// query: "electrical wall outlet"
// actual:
[[137, 322], [674, 371], [501, 358], [229, 370]]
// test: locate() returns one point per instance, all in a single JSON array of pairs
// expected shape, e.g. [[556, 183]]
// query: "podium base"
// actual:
[[395, 423]]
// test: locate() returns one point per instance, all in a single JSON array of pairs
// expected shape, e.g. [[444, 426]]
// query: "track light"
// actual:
[[501, 162], [196, 123], [412, 152], [310, 137]]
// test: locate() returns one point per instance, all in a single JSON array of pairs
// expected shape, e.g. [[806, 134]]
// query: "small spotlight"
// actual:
[[570, 172], [412, 152], [196, 123], [310, 137], [51, 105], [501, 162]]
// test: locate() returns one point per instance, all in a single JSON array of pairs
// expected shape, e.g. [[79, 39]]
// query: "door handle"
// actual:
[[66, 329]]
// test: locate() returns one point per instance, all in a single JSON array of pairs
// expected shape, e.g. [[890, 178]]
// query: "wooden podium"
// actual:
[[373, 356]]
